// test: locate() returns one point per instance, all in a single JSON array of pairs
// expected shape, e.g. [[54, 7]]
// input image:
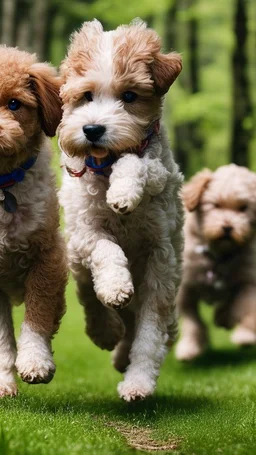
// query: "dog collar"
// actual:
[[9, 180], [105, 168]]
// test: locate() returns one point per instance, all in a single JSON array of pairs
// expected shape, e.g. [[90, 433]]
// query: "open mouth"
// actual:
[[98, 152]]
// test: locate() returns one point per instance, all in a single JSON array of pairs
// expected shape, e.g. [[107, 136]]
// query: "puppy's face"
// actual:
[[114, 84], [29, 102], [225, 202]]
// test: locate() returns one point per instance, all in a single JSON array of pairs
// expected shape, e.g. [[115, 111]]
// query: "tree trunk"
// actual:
[[8, 21], [180, 131], [195, 132], [188, 137], [39, 15], [242, 105], [23, 25]]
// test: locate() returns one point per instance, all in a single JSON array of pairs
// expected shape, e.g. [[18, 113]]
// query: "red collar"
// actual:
[[105, 168]]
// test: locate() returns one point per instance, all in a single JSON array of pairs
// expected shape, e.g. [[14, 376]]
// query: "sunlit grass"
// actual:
[[208, 406]]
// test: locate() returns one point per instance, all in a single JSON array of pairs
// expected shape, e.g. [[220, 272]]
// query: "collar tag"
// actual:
[[10, 202], [9, 180]]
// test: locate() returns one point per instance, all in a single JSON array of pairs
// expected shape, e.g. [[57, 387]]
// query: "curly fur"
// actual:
[[219, 258], [32, 252], [125, 232]]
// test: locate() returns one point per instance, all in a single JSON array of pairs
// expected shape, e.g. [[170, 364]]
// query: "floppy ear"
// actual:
[[165, 69], [194, 189], [46, 85]]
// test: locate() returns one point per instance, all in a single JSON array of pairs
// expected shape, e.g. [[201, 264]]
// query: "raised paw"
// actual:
[[124, 200], [136, 389], [117, 293], [35, 368], [119, 298]]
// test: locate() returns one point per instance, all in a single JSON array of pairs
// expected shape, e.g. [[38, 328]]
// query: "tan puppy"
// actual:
[[32, 259], [121, 196], [220, 256]]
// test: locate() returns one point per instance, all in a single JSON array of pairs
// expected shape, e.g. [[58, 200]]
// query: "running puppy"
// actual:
[[220, 257], [121, 196], [32, 259]]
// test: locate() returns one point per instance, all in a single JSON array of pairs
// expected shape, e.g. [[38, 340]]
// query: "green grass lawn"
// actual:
[[204, 408]]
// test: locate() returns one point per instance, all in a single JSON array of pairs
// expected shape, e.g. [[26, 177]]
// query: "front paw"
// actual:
[[243, 336], [189, 348], [8, 386], [116, 295], [35, 364], [124, 198], [135, 389], [35, 370]]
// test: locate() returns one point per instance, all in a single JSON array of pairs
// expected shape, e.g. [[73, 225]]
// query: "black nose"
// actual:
[[227, 230], [94, 132]]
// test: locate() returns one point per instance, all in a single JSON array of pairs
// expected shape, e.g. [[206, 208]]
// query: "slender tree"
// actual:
[[241, 131], [187, 135], [8, 22], [39, 15], [23, 25]]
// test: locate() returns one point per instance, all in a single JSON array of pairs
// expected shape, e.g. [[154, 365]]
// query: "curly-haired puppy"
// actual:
[[125, 231], [32, 259], [220, 256]]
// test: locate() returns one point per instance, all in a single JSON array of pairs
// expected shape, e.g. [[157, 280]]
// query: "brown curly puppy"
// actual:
[[32, 254]]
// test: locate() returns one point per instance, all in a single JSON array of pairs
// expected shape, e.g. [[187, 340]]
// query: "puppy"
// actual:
[[32, 259], [220, 257], [125, 231]]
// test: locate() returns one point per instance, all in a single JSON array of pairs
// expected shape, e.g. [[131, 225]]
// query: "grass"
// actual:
[[208, 407]]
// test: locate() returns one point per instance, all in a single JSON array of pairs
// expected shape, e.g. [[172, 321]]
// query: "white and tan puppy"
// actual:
[[219, 257], [125, 231]]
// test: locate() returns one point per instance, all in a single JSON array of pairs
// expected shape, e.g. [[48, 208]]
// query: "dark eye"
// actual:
[[243, 208], [129, 97], [88, 96], [217, 206], [14, 105]]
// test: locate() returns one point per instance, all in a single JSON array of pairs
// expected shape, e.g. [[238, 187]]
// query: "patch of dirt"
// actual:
[[140, 438]]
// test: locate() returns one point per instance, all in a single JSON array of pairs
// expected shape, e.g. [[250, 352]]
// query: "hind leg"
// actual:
[[7, 349], [103, 325], [121, 353], [194, 340], [243, 313], [155, 325]]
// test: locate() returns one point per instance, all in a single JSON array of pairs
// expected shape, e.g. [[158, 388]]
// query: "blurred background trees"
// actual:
[[210, 112]]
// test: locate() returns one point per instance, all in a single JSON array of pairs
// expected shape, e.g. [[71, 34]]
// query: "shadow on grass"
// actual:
[[224, 357], [150, 411]]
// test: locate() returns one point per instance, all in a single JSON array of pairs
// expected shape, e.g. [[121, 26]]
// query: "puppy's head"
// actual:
[[29, 102], [225, 205], [114, 86]]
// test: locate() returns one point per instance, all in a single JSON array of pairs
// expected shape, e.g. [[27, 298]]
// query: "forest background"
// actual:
[[210, 111]]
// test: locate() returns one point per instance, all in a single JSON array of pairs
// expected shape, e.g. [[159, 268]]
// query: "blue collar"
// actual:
[[105, 167], [8, 180], [100, 169]]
